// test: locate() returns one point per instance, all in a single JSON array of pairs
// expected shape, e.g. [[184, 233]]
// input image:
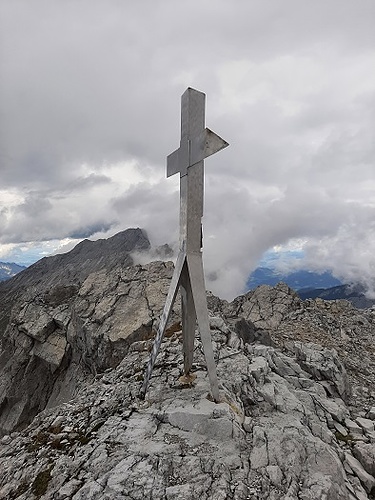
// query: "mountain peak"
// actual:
[[296, 412], [86, 257]]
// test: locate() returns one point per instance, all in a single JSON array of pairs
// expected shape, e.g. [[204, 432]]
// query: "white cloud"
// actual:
[[89, 110], [349, 253]]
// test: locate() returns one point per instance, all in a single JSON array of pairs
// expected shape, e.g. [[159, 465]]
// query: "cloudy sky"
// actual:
[[90, 108]]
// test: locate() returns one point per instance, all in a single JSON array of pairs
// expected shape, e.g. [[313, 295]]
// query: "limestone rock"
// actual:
[[266, 306], [52, 351], [366, 424], [61, 322], [72, 360], [109, 312], [323, 364], [353, 427], [340, 326], [365, 453], [247, 331], [265, 439], [366, 479], [35, 322]]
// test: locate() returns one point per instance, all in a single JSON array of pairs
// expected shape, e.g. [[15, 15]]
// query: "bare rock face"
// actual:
[[272, 436], [114, 310], [265, 306], [53, 344], [365, 453], [336, 325], [295, 420], [324, 364], [59, 324]]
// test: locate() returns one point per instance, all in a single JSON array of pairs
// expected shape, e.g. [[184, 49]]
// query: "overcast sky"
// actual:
[[90, 108]]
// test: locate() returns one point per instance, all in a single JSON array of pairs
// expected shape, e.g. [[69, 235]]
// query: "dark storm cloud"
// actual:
[[155, 209], [86, 232], [52, 215], [94, 81], [82, 183]]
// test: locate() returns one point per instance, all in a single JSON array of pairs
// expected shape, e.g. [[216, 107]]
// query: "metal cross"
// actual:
[[196, 144]]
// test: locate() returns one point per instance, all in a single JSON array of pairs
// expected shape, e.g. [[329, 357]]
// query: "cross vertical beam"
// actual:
[[196, 143]]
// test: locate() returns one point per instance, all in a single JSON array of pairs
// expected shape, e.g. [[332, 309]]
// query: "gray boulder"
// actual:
[[323, 364], [265, 306]]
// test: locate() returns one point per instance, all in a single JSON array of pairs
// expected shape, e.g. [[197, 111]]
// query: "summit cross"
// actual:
[[196, 144]]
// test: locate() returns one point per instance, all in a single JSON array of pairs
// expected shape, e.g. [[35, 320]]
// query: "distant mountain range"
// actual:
[[298, 280], [353, 293], [310, 285], [9, 269]]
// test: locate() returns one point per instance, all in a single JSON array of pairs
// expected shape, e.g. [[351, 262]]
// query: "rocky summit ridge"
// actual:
[[297, 410]]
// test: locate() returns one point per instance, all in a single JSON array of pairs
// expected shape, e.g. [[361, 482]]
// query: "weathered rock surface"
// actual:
[[70, 269], [57, 326], [266, 306], [49, 346], [271, 436], [296, 419]]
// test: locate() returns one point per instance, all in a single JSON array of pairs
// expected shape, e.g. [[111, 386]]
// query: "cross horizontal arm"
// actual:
[[173, 163], [196, 150], [206, 144]]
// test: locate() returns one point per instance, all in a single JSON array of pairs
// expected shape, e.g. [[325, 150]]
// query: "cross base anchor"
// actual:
[[187, 378]]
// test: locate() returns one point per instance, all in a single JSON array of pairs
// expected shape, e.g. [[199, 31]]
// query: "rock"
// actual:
[[58, 421], [69, 489], [207, 418], [247, 424], [323, 364], [340, 428], [371, 413], [246, 331], [266, 306], [249, 334], [59, 324], [353, 428], [366, 424], [268, 437], [217, 323], [365, 453], [335, 408], [35, 322], [258, 368], [275, 474], [366, 479], [52, 350], [259, 453], [282, 428], [6, 439]]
